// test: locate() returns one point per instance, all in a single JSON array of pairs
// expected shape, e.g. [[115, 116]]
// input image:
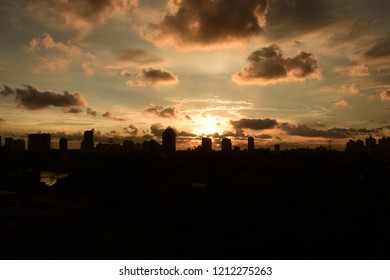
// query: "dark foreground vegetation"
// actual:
[[289, 205]]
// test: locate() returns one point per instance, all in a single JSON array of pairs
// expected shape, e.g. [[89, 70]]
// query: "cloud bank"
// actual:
[[31, 98], [153, 77]]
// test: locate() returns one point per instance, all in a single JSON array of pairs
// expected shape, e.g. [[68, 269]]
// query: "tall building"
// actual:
[[251, 144], [169, 141], [88, 142], [207, 144], [18, 145], [8, 143], [226, 145], [0, 141], [39, 143], [371, 144], [63, 144], [277, 148]]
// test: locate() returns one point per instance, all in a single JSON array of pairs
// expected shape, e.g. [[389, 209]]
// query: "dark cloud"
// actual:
[[91, 112], [161, 111], [31, 98], [157, 129], [380, 49], [153, 77], [268, 65], [73, 110], [2, 120], [110, 116], [255, 124], [194, 23], [289, 18], [131, 130], [305, 131], [138, 56]]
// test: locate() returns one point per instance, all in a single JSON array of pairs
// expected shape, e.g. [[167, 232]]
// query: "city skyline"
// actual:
[[295, 73]]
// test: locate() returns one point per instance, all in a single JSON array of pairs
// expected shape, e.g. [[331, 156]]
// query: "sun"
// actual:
[[207, 125]]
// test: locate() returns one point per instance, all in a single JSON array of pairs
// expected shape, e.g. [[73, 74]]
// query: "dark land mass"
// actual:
[[261, 205]]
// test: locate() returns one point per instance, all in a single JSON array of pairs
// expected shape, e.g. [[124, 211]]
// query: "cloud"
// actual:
[[353, 71], [91, 112], [52, 64], [110, 116], [2, 120], [89, 70], [207, 23], [255, 124], [73, 110], [264, 136], [385, 95], [161, 111], [31, 98], [157, 129], [47, 42], [380, 49], [349, 31], [304, 131], [81, 16], [267, 65], [343, 104], [138, 57], [153, 77], [131, 130]]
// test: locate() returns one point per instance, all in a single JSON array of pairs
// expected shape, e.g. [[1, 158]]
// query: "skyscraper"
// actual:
[[63, 144], [226, 145], [169, 141], [39, 143], [88, 142], [251, 144], [206, 144], [8, 143]]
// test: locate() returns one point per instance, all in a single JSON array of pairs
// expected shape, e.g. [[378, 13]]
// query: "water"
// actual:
[[51, 177]]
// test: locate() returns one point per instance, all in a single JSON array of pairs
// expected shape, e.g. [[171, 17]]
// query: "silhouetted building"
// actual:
[[88, 142], [384, 145], [226, 145], [128, 145], [251, 144], [0, 141], [137, 147], [169, 141], [371, 145], [63, 144], [236, 149], [207, 144], [8, 143], [277, 148], [39, 143], [355, 146], [18, 145]]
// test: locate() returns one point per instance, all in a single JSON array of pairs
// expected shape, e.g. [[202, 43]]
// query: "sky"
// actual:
[[300, 73]]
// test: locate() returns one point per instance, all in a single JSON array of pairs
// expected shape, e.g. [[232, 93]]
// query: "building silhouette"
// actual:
[[384, 145], [207, 144], [0, 141], [371, 144], [226, 145], [63, 144], [169, 141], [18, 145], [8, 143], [277, 148], [251, 144], [39, 143], [88, 142]]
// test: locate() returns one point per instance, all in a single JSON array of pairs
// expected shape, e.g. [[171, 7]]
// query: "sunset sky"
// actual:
[[296, 72]]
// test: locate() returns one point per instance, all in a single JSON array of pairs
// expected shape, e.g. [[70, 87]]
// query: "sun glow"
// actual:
[[207, 125]]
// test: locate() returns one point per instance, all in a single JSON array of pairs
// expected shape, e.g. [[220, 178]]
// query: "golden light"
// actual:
[[206, 125]]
